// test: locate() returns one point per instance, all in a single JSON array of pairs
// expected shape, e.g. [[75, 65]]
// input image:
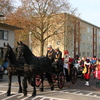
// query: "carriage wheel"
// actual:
[[38, 80], [61, 80], [74, 75], [54, 78]]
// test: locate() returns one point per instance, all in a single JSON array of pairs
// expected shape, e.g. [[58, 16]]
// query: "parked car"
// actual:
[[1, 72]]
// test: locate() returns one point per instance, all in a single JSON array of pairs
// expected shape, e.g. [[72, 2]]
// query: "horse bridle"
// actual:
[[6, 53], [20, 53]]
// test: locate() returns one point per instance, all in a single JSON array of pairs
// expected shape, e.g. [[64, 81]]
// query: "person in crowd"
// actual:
[[98, 64], [81, 67], [50, 52], [5, 65], [87, 66], [66, 66], [57, 54], [93, 62], [83, 59], [97, 67], [76, 61], [97, 76], [58, 59]]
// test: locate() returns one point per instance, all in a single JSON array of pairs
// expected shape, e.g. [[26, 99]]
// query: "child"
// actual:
[[97, 76]]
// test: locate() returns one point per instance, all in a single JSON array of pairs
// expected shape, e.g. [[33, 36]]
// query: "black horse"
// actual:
[[14, 67], [34, 66]]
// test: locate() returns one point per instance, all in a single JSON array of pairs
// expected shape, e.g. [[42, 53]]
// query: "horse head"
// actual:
[[6, 51], [23, 51], [20, 50]]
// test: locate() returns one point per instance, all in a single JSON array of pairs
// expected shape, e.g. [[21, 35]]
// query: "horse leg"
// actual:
[[9, 84], [20, 87], [34, 88], [41, 85], [49, 78], [25, 86]]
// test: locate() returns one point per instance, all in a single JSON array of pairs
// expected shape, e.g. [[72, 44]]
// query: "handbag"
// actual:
[[84, 70]]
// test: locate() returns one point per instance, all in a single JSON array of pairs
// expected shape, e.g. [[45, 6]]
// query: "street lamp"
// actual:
[[30, 40]]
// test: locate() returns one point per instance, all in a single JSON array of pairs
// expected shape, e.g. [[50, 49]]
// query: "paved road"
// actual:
[[77, 91]]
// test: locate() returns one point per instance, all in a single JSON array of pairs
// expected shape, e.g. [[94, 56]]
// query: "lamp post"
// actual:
[[30, 40]]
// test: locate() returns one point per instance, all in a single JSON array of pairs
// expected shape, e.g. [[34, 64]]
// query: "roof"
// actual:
[[1, 14], [85, 21], [3, 25], [90, 23]]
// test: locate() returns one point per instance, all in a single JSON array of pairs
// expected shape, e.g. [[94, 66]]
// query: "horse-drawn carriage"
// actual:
[[58, 75], [34, 69]]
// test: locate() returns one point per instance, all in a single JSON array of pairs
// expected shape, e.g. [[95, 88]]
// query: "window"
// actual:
[[88, 54], [99, 33], [88, 46], [99, 54], [84, 37], [99, 40], [83, 45], [3, 35], [88, 38], [99, 48], [89, 30], [83, 54]]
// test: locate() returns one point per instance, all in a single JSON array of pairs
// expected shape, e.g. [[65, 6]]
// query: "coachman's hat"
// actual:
[[49, 46]]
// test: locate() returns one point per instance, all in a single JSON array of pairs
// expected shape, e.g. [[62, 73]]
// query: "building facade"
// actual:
[[79, 37], [6, 36], [83, 41], [89, 43]]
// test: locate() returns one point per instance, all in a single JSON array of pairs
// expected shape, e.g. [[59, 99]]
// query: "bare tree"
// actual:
[[45, 18], [6, 6]]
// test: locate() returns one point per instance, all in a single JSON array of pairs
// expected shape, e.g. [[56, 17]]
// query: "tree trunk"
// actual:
[[41, 48]]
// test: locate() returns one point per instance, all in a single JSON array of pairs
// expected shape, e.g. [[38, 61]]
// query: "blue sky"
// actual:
[[89, 10]]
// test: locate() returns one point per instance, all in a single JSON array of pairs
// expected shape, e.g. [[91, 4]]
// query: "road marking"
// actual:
[[28, 96], [46, 98], [76, 91], [7, 86], [20, 95], [2, 93], [89, 94], [81, 92], [95, 95], [10, 97], [68, 91]]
